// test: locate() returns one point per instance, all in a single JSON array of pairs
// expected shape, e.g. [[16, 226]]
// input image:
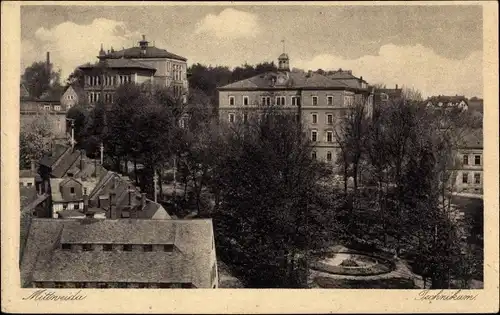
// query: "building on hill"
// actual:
[[447, 102], [73, 95], [89, 253], [140, 64], [348, 78], [318, 100], [469, 175]]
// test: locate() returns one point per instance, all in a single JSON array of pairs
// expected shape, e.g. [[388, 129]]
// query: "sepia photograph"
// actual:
[[252, 146]]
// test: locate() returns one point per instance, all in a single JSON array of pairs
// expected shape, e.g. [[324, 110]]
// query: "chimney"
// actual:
[[396, 86], [143, 200], [130, 190], [85, 201], [33, 166], [47, 63], [112, 206]]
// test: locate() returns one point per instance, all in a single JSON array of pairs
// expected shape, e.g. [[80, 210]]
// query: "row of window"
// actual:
[[108, 285], [329, 156], [119, 247], [294, 100], [108, 80], [477, 159], [477, 178], [314, 118], [48, 107], [328, 136], [94, 97]]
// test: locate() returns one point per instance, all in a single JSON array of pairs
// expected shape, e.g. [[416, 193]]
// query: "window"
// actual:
[[66, 246], [59, 285], [76, 206], [148, 248], [29, 184], [314, 118], [46, 107], [477, 160], [477, 178], [296, 100], [107, 247], [65, 206], [266, 100], [329, 136], [245, 117], [314, 136], [280, 100], [245, 100], [231, 118], [87, 247], [313, 155], [329, 119], [329, 156], [315, 100], [168, 248], [57, 107], [329, 100], [231, 100], [127, 248], [72, 190], [465, 178], [466, 160]]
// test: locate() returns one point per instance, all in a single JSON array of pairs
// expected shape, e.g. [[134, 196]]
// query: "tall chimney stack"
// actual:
[[85, 201], [48, 60], [396, 86]]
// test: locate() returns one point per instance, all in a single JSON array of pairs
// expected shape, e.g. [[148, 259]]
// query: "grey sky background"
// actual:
[[437, 49]]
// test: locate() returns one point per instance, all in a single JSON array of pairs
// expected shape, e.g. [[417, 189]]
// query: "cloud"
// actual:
[[413, 66], [71, 44], [229, 24]]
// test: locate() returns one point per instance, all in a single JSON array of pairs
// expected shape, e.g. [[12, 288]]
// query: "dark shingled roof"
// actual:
[[44, 260], [151, 52], [473, 140], [295, 80], [52, 157], [65, 164]]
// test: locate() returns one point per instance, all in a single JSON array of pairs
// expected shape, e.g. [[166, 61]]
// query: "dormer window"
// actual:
[[72, 190]]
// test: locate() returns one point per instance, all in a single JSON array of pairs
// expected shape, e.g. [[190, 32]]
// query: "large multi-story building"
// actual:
[[141, 64], [318, 100]]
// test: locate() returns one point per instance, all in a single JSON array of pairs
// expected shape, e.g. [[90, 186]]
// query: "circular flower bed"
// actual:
[[354, 264]]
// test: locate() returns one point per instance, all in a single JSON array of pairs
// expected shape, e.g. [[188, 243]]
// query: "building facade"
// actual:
[[72, 96], [33, 110], [142, 64], [317, 100], [469, 175]]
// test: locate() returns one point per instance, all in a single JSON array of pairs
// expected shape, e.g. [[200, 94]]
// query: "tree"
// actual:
[[272, 213], [34, 140], [77, 77], [39, 78]]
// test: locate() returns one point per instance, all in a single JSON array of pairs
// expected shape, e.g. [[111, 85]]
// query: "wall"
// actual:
[[56, 207], [57, 121]]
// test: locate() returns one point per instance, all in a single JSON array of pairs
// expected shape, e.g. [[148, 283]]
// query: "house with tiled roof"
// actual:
[[130, 253], [348, 78], [73, 95], [143, 64], [447, 102], [317, 100]]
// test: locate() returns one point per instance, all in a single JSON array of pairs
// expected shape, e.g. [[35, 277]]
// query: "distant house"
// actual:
[[72, 96], [447, 102], [469, 175], [33, 109], [346, 77], [88, 253], [28, 178]]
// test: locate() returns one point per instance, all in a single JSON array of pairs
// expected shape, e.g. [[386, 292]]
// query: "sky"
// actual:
[[436, 49]]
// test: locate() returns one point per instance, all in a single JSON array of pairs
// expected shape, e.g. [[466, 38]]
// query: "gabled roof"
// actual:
[[121, 64], [295, 80], [151, 52], [191, 261], [51, 158], [343, 74], [67, 161]]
